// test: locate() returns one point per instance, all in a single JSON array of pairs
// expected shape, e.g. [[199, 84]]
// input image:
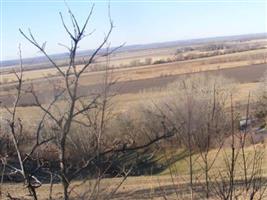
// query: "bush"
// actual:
[[161, 61]]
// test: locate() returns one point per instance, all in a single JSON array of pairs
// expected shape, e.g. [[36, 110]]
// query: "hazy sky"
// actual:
[[137, 22]]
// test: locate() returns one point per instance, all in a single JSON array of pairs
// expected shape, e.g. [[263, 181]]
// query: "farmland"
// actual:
[[149, 84], [244, 67]]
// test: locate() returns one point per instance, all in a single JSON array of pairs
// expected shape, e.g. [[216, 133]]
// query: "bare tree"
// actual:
[[251, 163], [71, 78], [212, 130], [242, 177], [198, 114], [86, 113], [16, 130], [262, 98]]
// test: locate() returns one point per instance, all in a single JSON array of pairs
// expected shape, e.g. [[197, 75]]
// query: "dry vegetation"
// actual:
[[142, 67], [200, 137], [170, 159]]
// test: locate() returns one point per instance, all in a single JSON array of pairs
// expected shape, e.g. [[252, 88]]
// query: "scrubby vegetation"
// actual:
[[191, 123]]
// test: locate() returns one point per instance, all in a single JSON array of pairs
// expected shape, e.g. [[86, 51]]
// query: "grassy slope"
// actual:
[[143, 185]]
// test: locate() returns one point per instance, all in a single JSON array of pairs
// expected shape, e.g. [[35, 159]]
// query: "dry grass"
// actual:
[[124, 102], [130, 186], [181, 167], [141, 185], [151, 71]]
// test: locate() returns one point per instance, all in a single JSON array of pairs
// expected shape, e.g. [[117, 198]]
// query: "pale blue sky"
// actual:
[[137, 22]]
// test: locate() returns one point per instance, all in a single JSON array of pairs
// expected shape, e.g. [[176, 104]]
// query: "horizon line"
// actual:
[[137, 44]]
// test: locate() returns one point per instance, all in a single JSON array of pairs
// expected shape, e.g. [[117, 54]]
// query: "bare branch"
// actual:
[[34, 42]]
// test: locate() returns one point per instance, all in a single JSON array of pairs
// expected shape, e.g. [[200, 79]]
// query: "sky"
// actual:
[[136, 22]]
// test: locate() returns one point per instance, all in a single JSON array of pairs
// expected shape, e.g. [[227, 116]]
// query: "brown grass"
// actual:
[[151, 71]]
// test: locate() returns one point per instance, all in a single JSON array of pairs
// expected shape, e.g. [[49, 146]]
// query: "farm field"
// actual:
[[150, 71], [245, 74], [133, 98]]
